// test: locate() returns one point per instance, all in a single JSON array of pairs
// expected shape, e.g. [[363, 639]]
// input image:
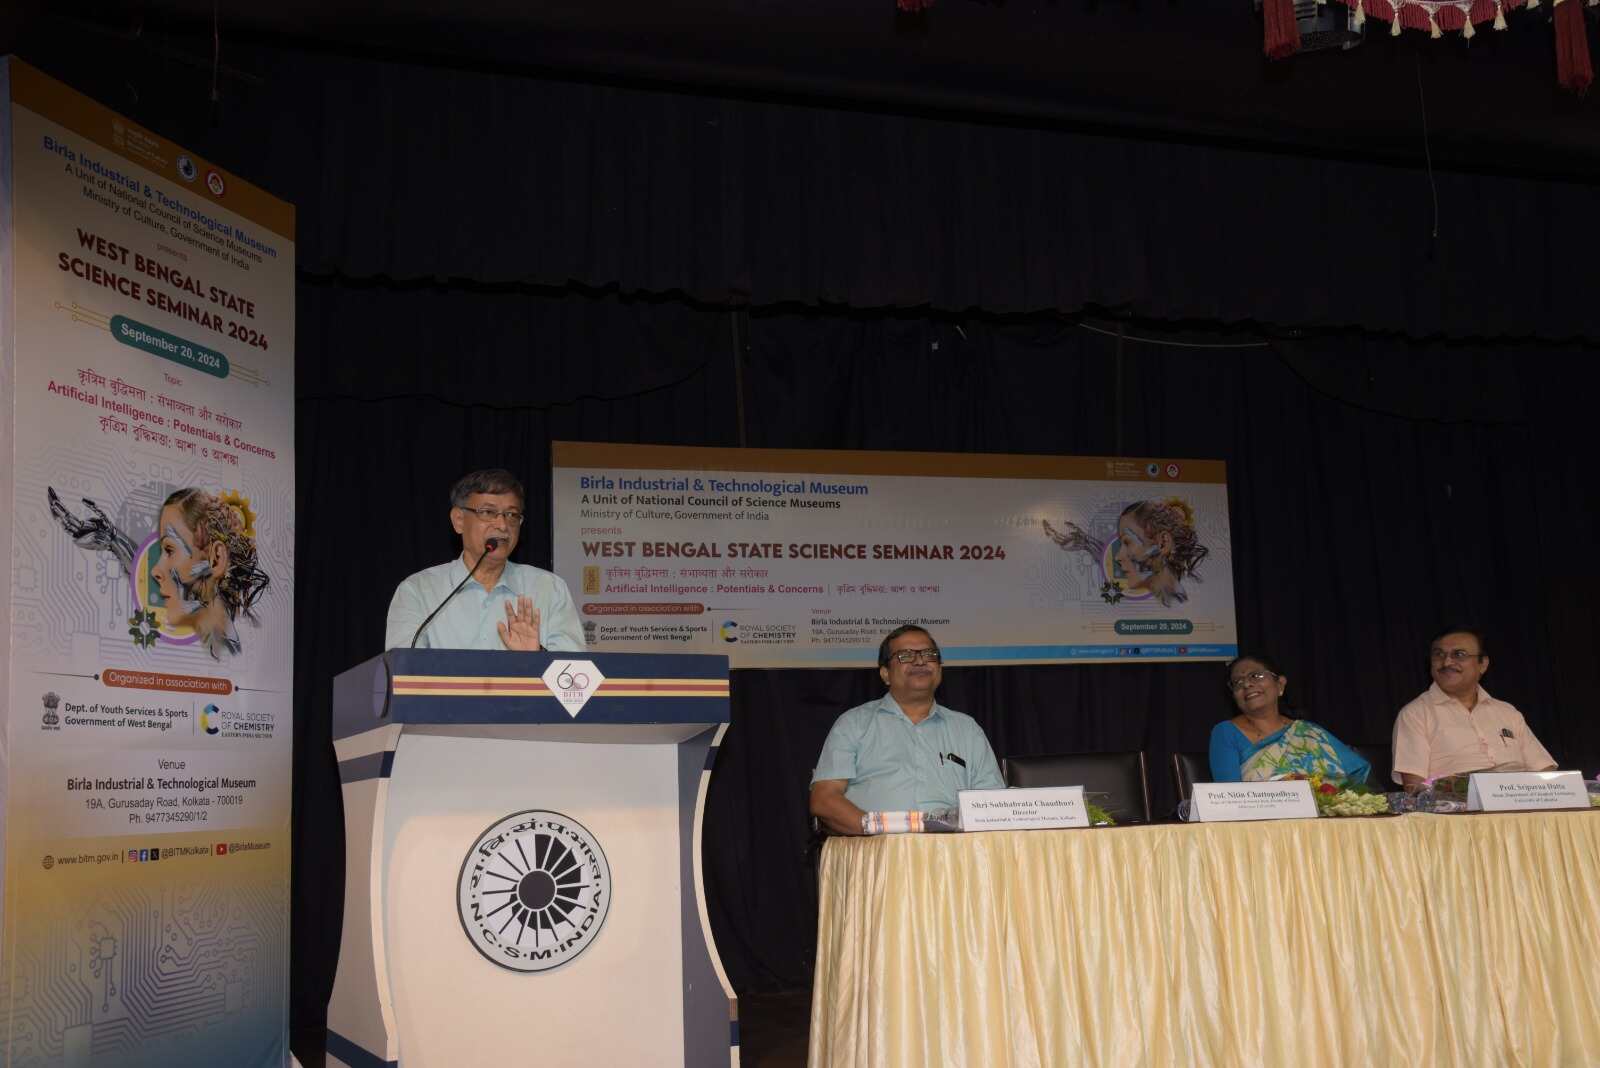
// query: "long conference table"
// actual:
[[1414, 940]]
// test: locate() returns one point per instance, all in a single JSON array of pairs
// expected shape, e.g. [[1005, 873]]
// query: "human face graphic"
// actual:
[[180, 568], [1138, 554]]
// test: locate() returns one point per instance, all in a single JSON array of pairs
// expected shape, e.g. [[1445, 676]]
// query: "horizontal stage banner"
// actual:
[[798, 558]]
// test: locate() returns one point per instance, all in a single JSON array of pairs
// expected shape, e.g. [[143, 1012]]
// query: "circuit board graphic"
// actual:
[[152, 978]]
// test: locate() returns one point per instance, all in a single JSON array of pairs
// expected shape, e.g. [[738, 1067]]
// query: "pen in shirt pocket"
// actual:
[[1506, 735], [953, 758]]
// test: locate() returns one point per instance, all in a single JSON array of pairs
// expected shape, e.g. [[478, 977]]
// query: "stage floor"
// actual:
[[773, 1032]]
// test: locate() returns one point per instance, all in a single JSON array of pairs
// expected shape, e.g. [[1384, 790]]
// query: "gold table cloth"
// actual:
[[1413, 940]]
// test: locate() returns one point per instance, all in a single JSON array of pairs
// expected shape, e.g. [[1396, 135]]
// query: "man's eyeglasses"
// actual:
[[489, 515], [912, 656], [1247, 678], [1458, 656]]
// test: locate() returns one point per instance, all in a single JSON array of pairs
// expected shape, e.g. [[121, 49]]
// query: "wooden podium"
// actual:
[[522, 861]]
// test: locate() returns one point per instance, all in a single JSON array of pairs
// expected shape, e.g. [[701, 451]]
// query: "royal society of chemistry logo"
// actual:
[[534, 890]]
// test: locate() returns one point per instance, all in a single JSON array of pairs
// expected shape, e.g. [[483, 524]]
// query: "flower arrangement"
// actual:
[[1335, 798], [1453, 785]]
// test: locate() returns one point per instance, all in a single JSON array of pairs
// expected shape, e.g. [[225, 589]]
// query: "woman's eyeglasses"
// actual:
[[1247, 678]]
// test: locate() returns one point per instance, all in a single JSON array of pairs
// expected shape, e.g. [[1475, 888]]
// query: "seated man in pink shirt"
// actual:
[[1456, 727]]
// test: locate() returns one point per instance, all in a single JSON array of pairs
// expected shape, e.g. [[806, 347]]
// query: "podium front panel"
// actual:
[[523, 869], [619, 999]]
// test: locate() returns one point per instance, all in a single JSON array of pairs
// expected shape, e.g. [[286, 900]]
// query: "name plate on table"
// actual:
[[1023, 808], [1525, 791], [1229, 802]]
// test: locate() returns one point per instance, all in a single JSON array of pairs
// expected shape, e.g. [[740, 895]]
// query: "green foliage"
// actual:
[[1098, 817], [142, 629]]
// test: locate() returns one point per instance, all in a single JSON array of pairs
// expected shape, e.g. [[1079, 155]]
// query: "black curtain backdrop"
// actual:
[[489, 263], [759, 203], [407, 172]]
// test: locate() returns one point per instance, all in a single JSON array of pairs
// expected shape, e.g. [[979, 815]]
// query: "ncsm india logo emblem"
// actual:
[[534, 890]]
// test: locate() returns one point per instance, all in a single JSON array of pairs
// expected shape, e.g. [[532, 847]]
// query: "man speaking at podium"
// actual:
[[903, 751], [506, 605]]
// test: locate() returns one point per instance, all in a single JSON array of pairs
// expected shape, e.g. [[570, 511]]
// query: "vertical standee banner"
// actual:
[[147, 366]]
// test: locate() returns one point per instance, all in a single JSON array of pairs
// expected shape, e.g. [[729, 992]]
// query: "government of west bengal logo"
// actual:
[[534, 891]]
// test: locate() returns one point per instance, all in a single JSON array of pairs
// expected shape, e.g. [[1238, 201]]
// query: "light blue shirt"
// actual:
[[469, 620], [894, 765]]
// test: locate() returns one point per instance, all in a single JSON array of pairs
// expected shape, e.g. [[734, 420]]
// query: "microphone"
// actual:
[[489, 546]]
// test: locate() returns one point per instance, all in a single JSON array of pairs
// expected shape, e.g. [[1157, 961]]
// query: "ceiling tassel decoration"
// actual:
[[1282, 30], [1573, 69]]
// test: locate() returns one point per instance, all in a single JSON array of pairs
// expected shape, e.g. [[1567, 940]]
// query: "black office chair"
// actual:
[[1117, 782], [1188, 769], [1381, 757], [819, 834]]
